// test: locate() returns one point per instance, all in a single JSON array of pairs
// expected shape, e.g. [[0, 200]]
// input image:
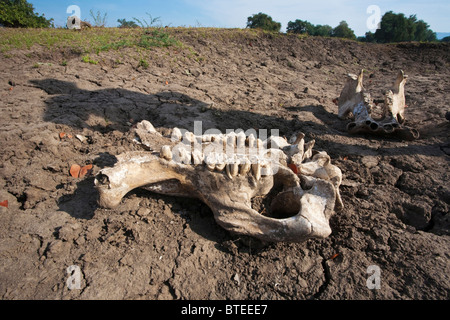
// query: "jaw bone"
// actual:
[[354, 101], [227, 184]]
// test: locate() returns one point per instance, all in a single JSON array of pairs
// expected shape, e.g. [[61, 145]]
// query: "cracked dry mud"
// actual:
[[396, 193]]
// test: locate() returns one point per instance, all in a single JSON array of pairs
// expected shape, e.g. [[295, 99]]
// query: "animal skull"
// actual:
[[355, 101], [226, 172]]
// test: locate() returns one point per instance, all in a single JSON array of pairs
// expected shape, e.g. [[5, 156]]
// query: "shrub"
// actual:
[[20, 14], [263, 21]]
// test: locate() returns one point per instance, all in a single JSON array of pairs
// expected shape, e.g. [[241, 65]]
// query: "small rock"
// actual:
[[80, 137], [147, 126], [69, 231], [195, 72], [369, 161], [237, 279]]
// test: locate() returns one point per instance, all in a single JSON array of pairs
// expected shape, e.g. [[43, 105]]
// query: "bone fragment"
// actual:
[[275, 142], [394, 106], [308, 149]]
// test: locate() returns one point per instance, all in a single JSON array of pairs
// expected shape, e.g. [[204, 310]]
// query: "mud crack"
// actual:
[[326, 282]]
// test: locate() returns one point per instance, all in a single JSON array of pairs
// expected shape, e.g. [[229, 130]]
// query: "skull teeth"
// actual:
[[233, 164], [256, 170], [197, 157], [245, 167], [220, 167], [176, 135], [240, 140], [166, 153], [251, 141], [232, 170]]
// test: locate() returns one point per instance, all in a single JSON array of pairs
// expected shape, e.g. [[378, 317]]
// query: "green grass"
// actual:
[[88, 59], [92, 40], [143, 63]]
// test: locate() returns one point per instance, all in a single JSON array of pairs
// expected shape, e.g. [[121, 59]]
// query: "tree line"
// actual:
[[394, 27]]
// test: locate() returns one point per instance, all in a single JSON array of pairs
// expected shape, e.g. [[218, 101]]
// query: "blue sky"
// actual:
[[234, 13]]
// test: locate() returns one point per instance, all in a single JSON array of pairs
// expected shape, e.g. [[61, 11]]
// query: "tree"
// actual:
[[423, 33], [20, 14], [397, 28], [263, 21], [445, 39], [300, 27], [305, 27], [323, 31], [126, 24], [369, 37], [343, 31]]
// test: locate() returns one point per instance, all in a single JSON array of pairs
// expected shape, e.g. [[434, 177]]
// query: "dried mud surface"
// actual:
[[396, 193]]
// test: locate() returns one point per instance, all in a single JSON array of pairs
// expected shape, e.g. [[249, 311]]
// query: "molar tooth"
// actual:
[[231, 139], [207, 138], [220, 166], [176, 135], [188, 137], [197, 157], [234, 168], [221, 161], [216, 138], [240, 140], [251, 141], [184, 156], [210, 161], [166, 153]]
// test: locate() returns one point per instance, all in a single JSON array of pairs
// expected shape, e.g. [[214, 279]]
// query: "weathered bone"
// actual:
[[394, 106], [354, 101], [228, 183]]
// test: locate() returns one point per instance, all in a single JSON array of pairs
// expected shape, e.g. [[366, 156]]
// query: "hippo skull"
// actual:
[[226, 172], [354, 101]]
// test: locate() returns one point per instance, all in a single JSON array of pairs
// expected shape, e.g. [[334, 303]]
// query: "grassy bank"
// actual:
[[92, 40]]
